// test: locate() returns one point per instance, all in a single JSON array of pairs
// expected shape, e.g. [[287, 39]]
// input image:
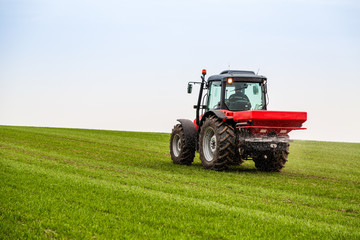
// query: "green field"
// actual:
[[92, 184]]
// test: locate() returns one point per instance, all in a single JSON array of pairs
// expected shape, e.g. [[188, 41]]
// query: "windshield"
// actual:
[[241, 96]]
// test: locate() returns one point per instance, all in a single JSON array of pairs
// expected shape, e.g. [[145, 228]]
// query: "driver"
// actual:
[[239, 96]]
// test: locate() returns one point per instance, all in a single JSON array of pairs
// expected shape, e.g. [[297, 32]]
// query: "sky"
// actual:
[[125, 65]]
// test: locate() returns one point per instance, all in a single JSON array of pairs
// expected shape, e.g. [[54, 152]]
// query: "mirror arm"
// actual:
[[189, 88], [194, 82]]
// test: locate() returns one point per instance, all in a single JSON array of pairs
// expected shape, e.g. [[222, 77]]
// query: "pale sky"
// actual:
[[124, 65]]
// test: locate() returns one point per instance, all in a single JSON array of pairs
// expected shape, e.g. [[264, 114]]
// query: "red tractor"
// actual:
[[234, 125]]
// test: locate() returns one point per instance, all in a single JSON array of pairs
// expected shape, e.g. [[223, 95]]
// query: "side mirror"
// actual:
[[189, 88], [255, 90]]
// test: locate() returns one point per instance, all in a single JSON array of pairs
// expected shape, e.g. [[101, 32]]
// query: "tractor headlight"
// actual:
[[230, 81]]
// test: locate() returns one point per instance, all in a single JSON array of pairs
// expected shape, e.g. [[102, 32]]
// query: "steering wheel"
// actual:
[[243, 101], [234, 98]]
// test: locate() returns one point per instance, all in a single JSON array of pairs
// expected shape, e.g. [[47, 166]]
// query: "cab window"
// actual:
[[214, 96]]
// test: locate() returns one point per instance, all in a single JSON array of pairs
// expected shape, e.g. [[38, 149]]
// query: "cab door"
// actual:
[[214, 95]]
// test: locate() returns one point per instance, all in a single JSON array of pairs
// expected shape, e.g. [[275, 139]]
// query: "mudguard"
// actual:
[[190, 131], [217, 113]]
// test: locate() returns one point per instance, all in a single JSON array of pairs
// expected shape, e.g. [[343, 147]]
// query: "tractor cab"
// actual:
[[236, 91], [231, 90]]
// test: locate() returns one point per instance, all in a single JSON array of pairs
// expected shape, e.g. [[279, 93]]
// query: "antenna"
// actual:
[[229, 66], [258, 71]]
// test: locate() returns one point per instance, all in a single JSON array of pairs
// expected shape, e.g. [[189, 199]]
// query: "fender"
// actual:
[[190, 131], [218, 113]]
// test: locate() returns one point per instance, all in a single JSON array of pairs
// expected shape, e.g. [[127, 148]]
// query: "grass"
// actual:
[[92, 184]]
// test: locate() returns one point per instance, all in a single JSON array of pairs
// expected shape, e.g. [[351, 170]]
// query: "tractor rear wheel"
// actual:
[[217, 144], [271, 161], [182, 151]]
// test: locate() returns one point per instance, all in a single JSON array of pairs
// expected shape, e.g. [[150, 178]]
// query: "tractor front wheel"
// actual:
[[217, 144], [182, 150]]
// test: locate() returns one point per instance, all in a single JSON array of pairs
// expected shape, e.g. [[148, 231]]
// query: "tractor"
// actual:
[[233, 124]]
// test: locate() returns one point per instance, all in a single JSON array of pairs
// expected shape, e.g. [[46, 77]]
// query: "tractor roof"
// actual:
[[247, 76]]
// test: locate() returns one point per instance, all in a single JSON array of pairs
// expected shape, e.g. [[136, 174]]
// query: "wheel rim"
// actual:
[[176, 145], [209, 143]]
